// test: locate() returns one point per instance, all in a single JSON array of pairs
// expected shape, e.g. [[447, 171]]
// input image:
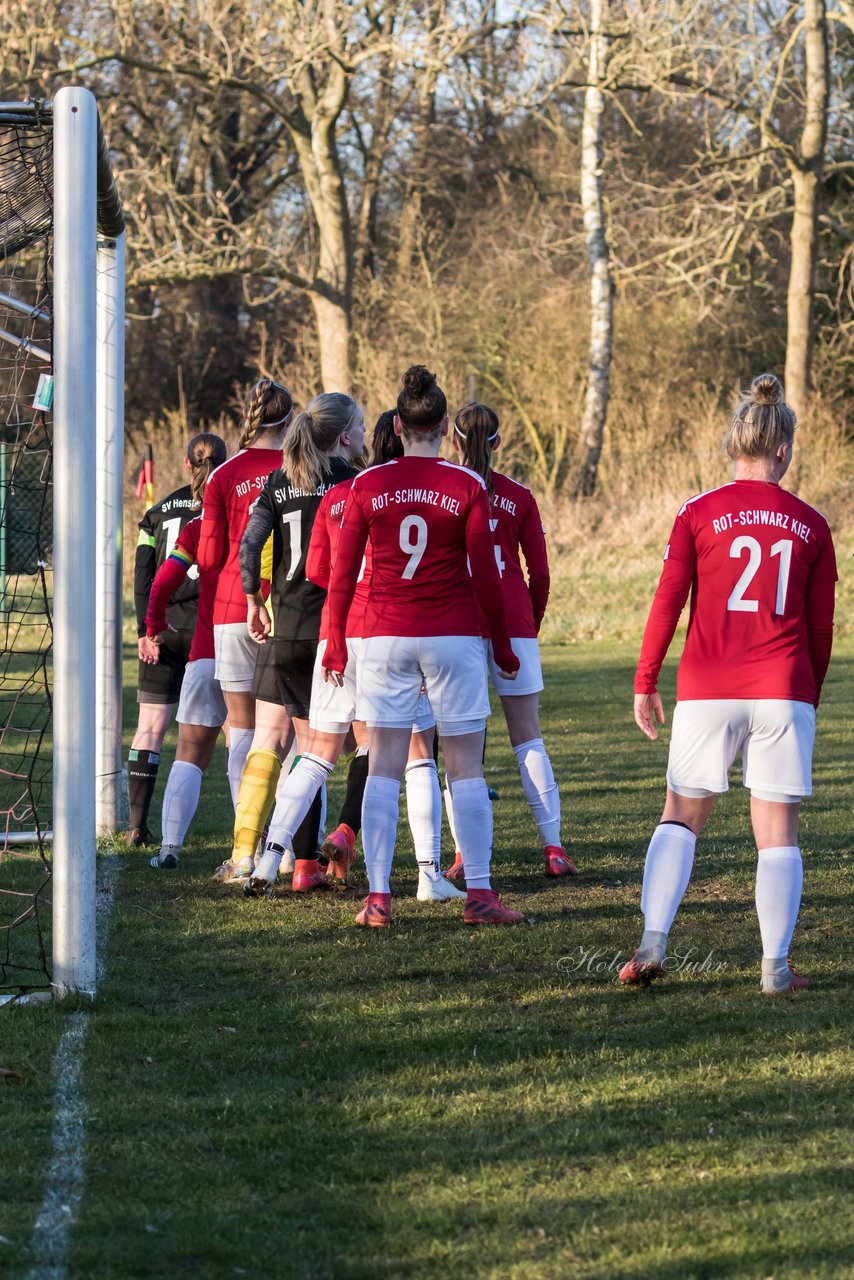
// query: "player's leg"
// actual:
[[456, 681], [236, 654], [424, 811], [705, 739], [340, 845], [522, 714], [201, 713], [241, 728], [389, 689], [778, 771], [296, 818], [143, 761]]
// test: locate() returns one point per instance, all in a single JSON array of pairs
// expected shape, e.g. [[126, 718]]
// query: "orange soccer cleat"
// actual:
[[376, 913], [308, 875], [340, 848], [456, 871], [483, 906], [558, 862]]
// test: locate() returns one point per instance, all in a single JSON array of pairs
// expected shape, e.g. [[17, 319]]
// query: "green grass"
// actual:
[[273, 1092]]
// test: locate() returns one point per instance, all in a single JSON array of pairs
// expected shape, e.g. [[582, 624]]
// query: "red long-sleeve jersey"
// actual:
[[168, 579], [229, 493], [516, 525], [424, 517], [322, 550], [760, 568]]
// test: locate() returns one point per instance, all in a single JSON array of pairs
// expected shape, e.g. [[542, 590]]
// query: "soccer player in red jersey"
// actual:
[[760, 569], [230, 493], [333, 716], [516, 526], [423, 517], [317, 454]]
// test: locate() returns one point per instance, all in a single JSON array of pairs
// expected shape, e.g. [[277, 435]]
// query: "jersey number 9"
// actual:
[[415, 546]]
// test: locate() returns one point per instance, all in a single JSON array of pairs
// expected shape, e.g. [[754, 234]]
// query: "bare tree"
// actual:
[[601, 280]]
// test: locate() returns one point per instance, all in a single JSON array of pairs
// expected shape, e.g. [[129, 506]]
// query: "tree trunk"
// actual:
[[598, 253], [806, 170]]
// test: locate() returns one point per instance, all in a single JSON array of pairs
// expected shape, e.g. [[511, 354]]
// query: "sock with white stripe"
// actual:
[[779, 883], [473, 822], [424, 810], [539, 788], [180, 801], [380, 812]]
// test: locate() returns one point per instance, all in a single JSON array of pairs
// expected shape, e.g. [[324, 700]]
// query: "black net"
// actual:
[[26, 577]]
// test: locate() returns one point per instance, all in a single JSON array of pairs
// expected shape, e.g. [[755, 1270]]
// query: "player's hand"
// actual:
[[149, 650], [648, 709], [258, 621], [333, 677], [509, 675]]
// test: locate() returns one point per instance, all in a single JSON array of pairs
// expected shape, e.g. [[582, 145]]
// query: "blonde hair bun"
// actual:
[[766, 388]]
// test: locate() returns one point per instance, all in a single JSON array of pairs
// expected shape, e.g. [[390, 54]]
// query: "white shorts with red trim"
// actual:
[[393, 671], [333, 707], [201, 697], [235, 652], [774, 736], [529, 677]]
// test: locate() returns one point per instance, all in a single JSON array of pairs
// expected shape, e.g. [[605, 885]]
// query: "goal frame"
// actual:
[[88, 460]]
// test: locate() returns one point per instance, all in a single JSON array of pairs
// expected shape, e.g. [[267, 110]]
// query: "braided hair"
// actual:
[[268, 405], [204, 452]]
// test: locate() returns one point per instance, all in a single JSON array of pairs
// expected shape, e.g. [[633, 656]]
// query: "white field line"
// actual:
[[51, 1238]]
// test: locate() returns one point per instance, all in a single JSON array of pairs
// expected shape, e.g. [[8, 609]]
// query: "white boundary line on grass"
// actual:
[[51, 1238]]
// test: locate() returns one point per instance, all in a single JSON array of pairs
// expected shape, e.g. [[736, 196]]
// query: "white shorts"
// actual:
[[774, 735], [529, 677], [333, 707], [452, 669], [236, 652], [201, 697]]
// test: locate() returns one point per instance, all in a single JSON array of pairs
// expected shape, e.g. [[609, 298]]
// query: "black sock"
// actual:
[[351, 809], [305, 837], [142, 775]]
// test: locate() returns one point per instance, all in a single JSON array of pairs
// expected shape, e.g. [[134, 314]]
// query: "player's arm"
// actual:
[[487, 583], [532, 540], [673, 589], [213, 542], [167, 580], [318, 561], [262, 519], [820, 603], [342, 584], [145, 565]]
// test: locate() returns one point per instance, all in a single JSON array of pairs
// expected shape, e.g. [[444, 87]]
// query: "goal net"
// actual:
[[46, 873]]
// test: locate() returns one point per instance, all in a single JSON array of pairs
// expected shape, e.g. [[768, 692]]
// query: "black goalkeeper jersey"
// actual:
[[289, 513], [158, 532]]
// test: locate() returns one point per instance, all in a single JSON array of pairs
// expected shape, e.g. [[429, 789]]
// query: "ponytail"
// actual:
[[268, 405], [312, 434], [386, 444], [205, 452], [476, 427]]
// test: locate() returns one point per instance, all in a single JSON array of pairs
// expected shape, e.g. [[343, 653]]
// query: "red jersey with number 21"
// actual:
[[424, 518], [760, 567]]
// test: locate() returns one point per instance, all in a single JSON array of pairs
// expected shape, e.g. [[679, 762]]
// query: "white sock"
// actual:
[[294, 799], [321, 830], [380, 811], [424, 809], [669, 861], [180, 801], [449, 811], [473, 821], [779, 881], [239, 742], [540, 788]]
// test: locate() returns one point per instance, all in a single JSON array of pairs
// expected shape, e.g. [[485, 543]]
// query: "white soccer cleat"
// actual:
[[263, 877], [438, 890]]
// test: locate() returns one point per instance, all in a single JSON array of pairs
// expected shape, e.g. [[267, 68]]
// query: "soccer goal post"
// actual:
[[83, 389]]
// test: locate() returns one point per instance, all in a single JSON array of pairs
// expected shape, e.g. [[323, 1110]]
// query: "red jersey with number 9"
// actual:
[[425, 518], [760, 567]]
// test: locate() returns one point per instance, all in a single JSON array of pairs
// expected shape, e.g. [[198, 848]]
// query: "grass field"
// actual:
[[272, 1092]]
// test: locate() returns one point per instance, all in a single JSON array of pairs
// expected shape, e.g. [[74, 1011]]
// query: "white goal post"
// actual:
[[88, 366]]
